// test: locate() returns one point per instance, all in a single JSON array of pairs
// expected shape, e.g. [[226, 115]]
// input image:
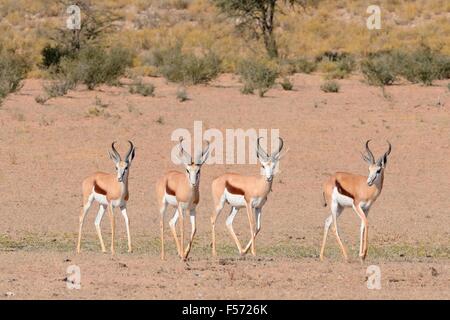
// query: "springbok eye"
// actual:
[[187, 170]]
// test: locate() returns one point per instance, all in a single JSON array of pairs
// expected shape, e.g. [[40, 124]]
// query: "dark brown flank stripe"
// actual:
[[99, 190], [234, 190], [169, 191], [341, 190]]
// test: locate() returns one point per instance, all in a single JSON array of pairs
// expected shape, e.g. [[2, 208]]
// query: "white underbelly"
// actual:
[[171, 200], [101, 199], [235, 200], [341, 199]]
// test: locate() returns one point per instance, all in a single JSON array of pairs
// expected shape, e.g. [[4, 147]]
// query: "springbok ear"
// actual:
[[382, 161], [366, 158], [131, 156], [113, 157]]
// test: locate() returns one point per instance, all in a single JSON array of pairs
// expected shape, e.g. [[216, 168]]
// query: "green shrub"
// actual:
[[58, 88], [379, 70], [287, 84], [179, 67], [421, 66], [13, 68], [144, 89], [51, 56], [94, 66], [330, 86], [443, 66], [303, 65], [257, 76], [448, 86]]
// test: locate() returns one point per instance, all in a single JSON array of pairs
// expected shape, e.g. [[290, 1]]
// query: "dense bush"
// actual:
[[13, 68], [421, 66], [51, 56], [177, 66], [256, 76], [380, 70], [94, 65]]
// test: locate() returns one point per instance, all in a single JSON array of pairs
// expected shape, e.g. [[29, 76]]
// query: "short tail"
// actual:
[[324, 199]]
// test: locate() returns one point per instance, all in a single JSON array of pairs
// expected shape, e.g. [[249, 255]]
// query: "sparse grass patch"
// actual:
[[330, 86], [144, 89], [257, 75]]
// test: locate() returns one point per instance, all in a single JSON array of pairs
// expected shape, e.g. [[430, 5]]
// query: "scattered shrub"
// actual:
[[13, 68], [303, 65], [330, 86], [287, 84], [182, 95], [448, 86], [144, 89], [177, 66], [257, 76], [58, 88], [379, 70]]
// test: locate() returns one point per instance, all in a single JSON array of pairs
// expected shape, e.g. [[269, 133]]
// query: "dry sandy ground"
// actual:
[[46, 151]]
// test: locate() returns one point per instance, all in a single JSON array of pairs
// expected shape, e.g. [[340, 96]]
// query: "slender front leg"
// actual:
[[229, 224], [214, 216], [192, 217], [181, 232], [173, 224], [127, 225], [98, 220], [252, 227], [258, 227], [113, 226], [364, 231]]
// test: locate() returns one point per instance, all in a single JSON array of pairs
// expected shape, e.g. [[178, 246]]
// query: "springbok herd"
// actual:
[[180, 190]]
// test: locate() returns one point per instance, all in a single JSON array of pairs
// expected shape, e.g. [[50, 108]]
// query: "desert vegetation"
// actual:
[[193, 41]]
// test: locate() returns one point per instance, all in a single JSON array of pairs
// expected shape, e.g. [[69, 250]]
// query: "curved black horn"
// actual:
[[260, 151], [390, 148], [274, 154], [131, 149], [200, 159], [184, 152], [116, 154], [370, 157]]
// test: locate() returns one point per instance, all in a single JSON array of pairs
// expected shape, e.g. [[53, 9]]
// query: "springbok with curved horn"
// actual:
[[245, 191], [181, 191], [110, 191], [359, 192]]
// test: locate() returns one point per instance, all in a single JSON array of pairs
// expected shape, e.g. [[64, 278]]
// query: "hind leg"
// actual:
[[162, 212], [172, 225], [218, 208], [84, 211], [98, 220], [335, 213], [229, 224]]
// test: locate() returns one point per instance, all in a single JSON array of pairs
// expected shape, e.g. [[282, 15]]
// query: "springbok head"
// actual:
[[122, 167], [193, 166], [376, 168], [269, 162]]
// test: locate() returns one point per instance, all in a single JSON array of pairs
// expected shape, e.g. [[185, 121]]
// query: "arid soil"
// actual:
[[46, 151]]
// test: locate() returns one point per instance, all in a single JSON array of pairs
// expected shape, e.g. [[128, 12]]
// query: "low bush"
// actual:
[[380, 70], [286, 84], [257, 76], [184, 68], [144, 89], [330, 86], [13, 68]]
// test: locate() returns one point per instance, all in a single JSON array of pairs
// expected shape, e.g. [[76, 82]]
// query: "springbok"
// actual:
[[244, 191], [110, 191], [181, 191], [359, 192]]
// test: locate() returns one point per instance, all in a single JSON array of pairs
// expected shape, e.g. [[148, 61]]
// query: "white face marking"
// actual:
[[374, 174], [268, 168], [193, 173]]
